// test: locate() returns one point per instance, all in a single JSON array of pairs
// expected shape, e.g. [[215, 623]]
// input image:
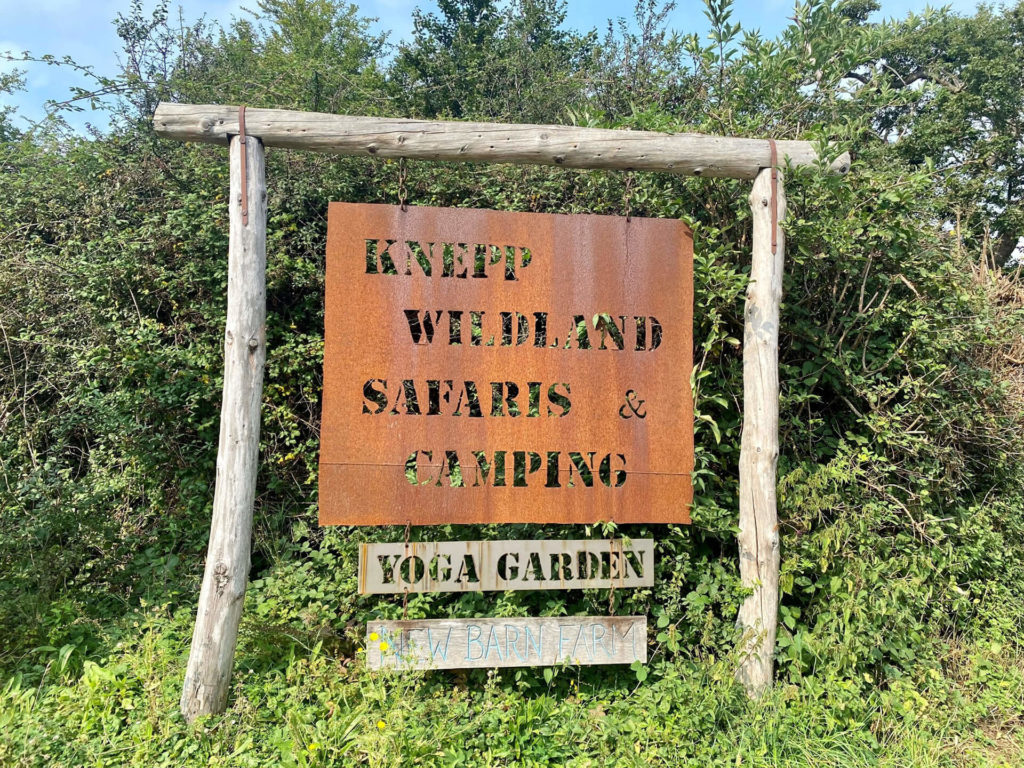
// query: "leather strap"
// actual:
[[774, 160]]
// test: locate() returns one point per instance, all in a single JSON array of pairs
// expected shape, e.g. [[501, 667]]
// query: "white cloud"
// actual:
[[39, 79], [42, 6]]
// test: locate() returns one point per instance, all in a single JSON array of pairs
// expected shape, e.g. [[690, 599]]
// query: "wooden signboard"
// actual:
[[486, 367], [462, 643], [467, 566]]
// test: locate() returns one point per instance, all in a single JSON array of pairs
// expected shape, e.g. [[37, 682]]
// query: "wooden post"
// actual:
[[227, 563], [759, 448]]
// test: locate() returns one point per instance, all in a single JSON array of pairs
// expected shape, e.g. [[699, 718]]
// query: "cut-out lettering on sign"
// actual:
[[469, 566], [484, 367], [461, 643]]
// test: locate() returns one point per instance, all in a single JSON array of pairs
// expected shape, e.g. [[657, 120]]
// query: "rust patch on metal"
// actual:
[[493, 367]]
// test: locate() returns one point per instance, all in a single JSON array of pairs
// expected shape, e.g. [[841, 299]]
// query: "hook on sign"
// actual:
[[405, 596], [629, 195], [403, 192]]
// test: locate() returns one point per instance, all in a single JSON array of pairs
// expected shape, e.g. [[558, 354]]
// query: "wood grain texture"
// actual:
[[688, 154], [759, 449], [483, 643], [481, 566], [227, 563]]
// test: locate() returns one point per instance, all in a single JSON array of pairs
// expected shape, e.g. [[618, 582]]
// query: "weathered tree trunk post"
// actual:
[[227, 563], [568, 146], [759, 448]]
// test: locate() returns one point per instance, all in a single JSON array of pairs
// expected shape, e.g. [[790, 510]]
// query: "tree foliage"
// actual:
[[475, 58], [966, 116]]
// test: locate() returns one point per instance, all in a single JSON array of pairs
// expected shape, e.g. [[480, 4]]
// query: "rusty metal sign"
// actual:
[[493, 367], [484, 566]]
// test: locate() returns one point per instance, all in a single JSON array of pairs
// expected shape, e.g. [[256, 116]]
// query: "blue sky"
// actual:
[[85, 31]]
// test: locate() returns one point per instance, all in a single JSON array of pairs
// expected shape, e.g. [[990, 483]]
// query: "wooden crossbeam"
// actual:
[[687, 154]]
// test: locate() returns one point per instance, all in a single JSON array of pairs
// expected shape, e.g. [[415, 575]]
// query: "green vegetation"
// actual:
[[903, 395]]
